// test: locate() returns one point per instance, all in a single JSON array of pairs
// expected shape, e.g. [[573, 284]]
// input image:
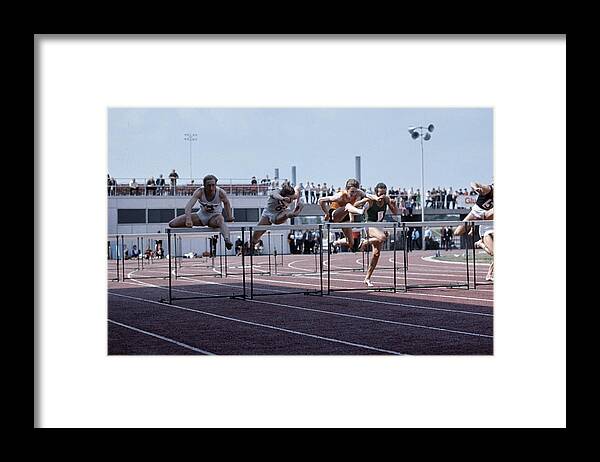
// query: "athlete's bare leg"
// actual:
[[338, 216], [179, 222], [465, 228], [219, 222], [376, 237], [264, 221], [490, 274]]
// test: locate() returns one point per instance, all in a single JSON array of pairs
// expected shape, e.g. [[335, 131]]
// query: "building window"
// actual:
[[245, 215], [131, 216], [160, 215]]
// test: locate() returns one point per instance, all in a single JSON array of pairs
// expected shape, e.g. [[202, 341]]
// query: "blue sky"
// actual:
[[321, 142]]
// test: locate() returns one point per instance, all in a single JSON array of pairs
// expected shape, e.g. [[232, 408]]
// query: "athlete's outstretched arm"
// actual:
[[356, 210], [361, 202], [392, 204], [190, 205], [226, 206], [324, 201]]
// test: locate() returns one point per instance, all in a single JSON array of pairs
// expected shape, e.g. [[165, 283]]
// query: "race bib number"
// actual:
[[281, 205]]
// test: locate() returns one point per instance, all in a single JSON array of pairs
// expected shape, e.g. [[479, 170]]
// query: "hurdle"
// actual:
[[286, 292], [199, 232]]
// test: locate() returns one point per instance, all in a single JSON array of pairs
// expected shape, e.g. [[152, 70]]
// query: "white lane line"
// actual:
[[362, 317], [419, 326], [184, 345], [410, 306], [453, 297], [266, 326]]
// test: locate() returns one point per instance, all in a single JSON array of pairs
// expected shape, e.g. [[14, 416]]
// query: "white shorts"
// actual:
[[486, 228], [271, 215], [478, 212], [204, 217]]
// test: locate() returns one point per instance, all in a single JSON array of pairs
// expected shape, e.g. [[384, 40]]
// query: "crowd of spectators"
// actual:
[[148, 187], [408, 200]]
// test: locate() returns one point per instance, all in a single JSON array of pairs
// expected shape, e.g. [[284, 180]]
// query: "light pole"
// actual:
[[417, 132], [190, 137]]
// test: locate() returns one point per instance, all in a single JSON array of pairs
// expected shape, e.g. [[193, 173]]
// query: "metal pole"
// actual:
[[221, 255], [251, 266], [467, 256], [243, 261], [176, 273], [118, 276], [474, 262], [169, 248], [226, 258], [395, 257], [422, 180], [321, 256], [405, 257], [328, 259], [269, 239], [143, 253], [123, 256]]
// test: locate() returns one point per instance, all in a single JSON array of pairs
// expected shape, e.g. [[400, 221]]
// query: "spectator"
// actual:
[[125, 252], [291, 241], [112, 186], [418, 199], [254, 189], [450, 237], [160, 185], [151, 186], [238, 246], [313, 190], [158, 249], [298, 241], [444, 237], [173, 176], [324, 190], [409, 208], [449, 198], [428, 236], [301, 189], [428, 199], [133, 187], [416, 239], [409, 240], [307, 191], [306, 241], [213, 245], [134, 251]]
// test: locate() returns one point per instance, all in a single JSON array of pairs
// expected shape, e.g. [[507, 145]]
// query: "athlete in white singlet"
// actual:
[[276, 211], [212, 200]]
